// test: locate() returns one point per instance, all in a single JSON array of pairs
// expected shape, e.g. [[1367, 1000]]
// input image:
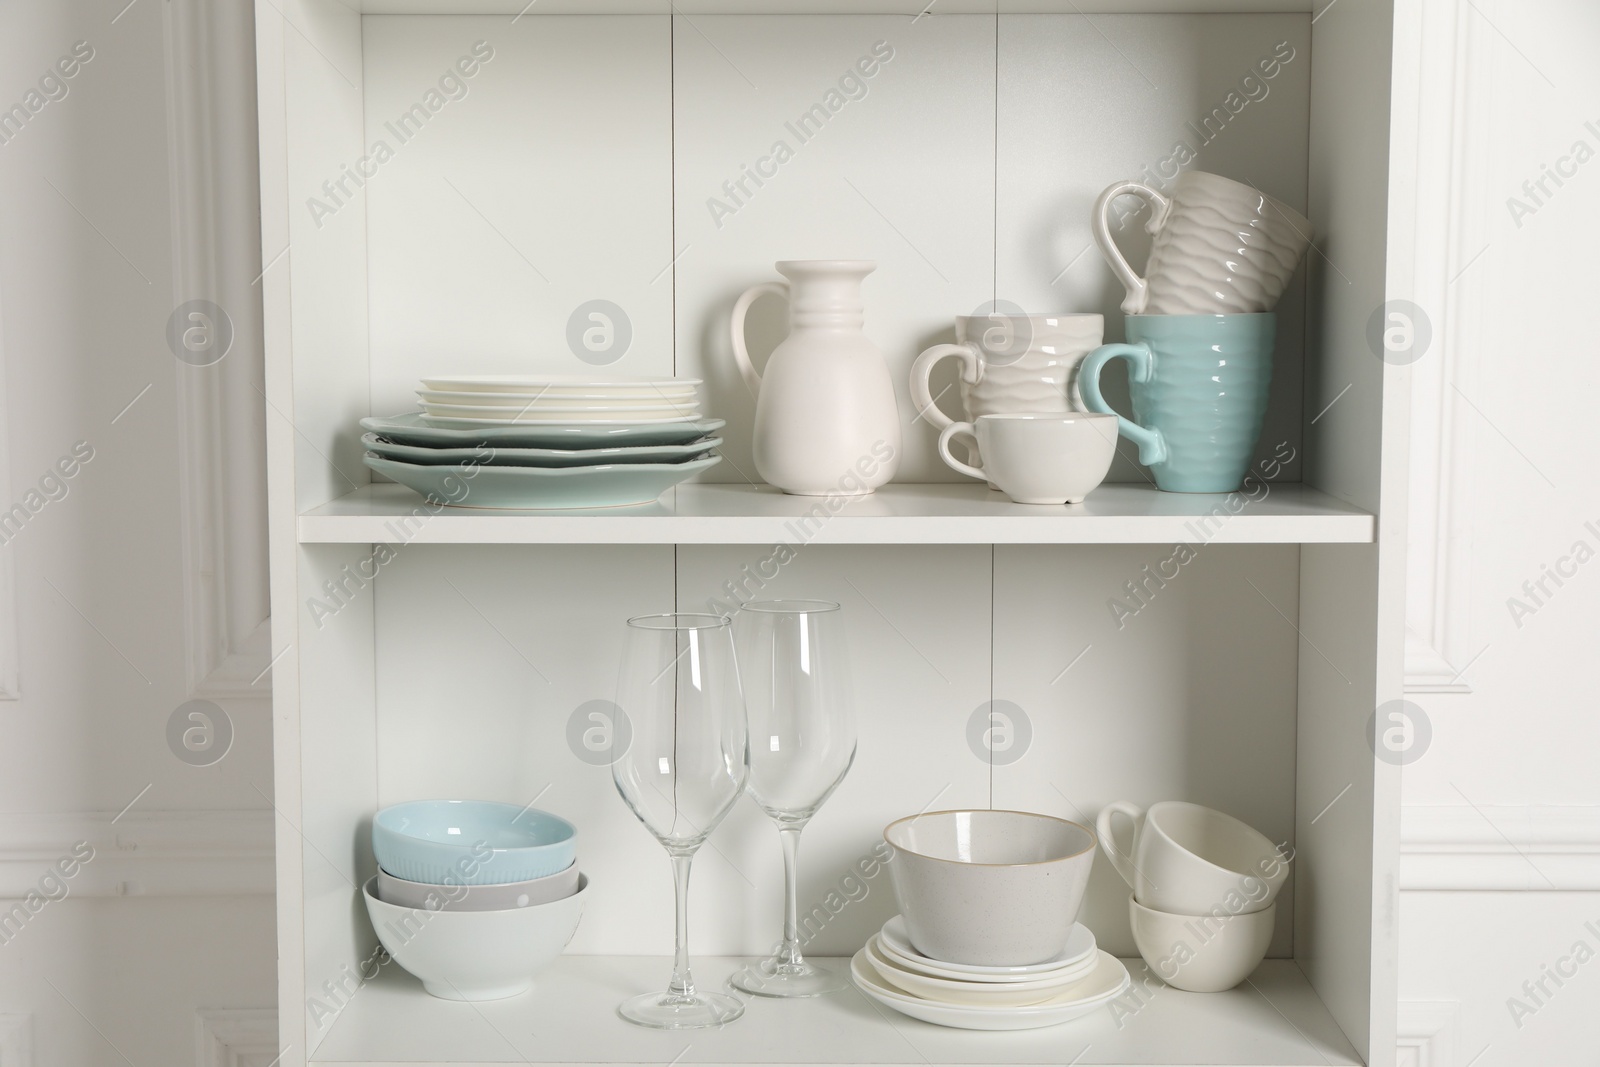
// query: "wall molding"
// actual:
[[10, 654], [1502, 848], [157, 853], [1426, 1033], [1451, 225], [215, 237], [236, 1037], [16, 1039]]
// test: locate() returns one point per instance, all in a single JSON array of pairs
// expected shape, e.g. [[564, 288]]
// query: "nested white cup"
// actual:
[[1191, 860], [1221, 247], [1038, 458]]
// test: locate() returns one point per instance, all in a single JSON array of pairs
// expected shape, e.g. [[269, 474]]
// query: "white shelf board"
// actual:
[[903, 513], [570, 1018], [909, 8]]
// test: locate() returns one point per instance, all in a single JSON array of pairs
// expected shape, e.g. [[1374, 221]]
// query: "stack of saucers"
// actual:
[[474, 897], [1074, 983], [524, 442]]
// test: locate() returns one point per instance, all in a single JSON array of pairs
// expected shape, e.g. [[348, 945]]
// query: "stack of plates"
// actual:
[[1079, 981], [539, 443]]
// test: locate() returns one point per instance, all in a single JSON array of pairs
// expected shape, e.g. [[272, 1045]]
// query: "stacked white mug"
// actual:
[[1205, 888]]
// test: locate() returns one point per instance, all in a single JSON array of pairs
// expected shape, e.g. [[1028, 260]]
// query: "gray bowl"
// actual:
[[989, 888]]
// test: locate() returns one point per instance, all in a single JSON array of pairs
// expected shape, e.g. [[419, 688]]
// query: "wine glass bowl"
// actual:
[[684, 767], [796, 682]]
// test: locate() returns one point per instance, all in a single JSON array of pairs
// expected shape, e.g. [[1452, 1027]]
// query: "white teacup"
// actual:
[[1201, 953], [1190, 860], [1037, 458], [1221, 247]]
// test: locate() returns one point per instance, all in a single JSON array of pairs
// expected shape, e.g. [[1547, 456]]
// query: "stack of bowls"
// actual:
[[524, 442], [988, 937], [1205, 888], [473, 897]]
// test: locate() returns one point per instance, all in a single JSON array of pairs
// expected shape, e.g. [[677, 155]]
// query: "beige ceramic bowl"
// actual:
[[1201, 953], [989, 888]]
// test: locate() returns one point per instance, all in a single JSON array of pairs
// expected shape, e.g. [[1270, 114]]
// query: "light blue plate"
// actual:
[[609, 485], [409, 429], [470, 842], [499, 456]]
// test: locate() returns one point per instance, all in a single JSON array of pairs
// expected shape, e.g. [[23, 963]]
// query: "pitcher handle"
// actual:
[[741, 354], [1141, 365], [1120, 860], [922, 371], [1160, 207]]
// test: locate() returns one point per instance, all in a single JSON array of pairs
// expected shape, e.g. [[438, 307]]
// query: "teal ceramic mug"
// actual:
[[1199, 390]]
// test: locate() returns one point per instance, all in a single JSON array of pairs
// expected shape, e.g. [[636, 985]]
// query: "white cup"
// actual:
[[1190, 860], [1038, 458], [1221, 247], [1201, 953]]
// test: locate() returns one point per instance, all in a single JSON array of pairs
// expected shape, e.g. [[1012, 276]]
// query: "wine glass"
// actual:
[[684, 768], [797, 690]]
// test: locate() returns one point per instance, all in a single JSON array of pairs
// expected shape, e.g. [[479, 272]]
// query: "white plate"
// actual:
[[460, 423], [527, 408], [920, 981], [504, 400], [976, 994], [534, 383], [1108, 981], [1080, 946], [413, 429]]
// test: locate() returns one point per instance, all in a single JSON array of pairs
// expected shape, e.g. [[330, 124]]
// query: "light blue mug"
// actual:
[[1199, 390]]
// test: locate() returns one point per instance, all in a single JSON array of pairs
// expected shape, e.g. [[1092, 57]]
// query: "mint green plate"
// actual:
[[609, 485], [499, 456], [409, 429]]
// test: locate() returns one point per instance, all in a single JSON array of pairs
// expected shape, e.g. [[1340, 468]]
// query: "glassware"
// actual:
[[802, 724], [683, 770]]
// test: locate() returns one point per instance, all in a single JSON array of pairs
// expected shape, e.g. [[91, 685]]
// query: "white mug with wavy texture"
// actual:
[[1221, 247]]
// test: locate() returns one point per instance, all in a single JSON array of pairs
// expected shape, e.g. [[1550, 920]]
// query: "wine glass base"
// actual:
[[664, 1011], [769, 978]]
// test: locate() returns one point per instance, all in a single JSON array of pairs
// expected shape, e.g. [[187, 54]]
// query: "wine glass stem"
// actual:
[[789, 837], [682, 984]]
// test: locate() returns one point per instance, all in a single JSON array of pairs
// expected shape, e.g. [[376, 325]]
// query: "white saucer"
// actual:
[[978, 994], [1106, 983], [1080, 946]]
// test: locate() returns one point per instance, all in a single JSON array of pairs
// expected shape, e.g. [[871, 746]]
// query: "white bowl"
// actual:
[[993, 888], [454, 895], [1201, 953], [475, 955], [976, 994]]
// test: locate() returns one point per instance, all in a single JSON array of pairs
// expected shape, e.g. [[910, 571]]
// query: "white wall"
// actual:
[[122, 597], [1503, 807]]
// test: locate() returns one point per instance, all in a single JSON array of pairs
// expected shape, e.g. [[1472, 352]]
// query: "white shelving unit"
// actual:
[[424, 653]]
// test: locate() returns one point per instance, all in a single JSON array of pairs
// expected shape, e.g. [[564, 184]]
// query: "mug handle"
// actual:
[[944, 449], [922, 371], [1141, 365], [1120, 860], [741, 355], [1160, 207]]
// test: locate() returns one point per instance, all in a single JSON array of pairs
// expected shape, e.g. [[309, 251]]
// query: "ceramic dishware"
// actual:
[[1201, 953], [1221, 247], [472, 417], [796, 681], [684, 767], [1037, 458], [1010, 363], [608, 485], [475, 955], [410, 429], [1076, 959], [525, 409], [501, 456], [1191, 860], [915, 972], [826, 420], [948, 991], [546, 385], [1108, 981], [1028, 870], [454, 895], [685, 394], [474, 842], [1199, 389]]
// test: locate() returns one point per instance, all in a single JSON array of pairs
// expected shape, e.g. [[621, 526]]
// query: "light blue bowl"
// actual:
[[471, 842]]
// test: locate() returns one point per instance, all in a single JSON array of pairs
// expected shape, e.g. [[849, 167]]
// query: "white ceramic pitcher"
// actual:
[[826, 418]]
